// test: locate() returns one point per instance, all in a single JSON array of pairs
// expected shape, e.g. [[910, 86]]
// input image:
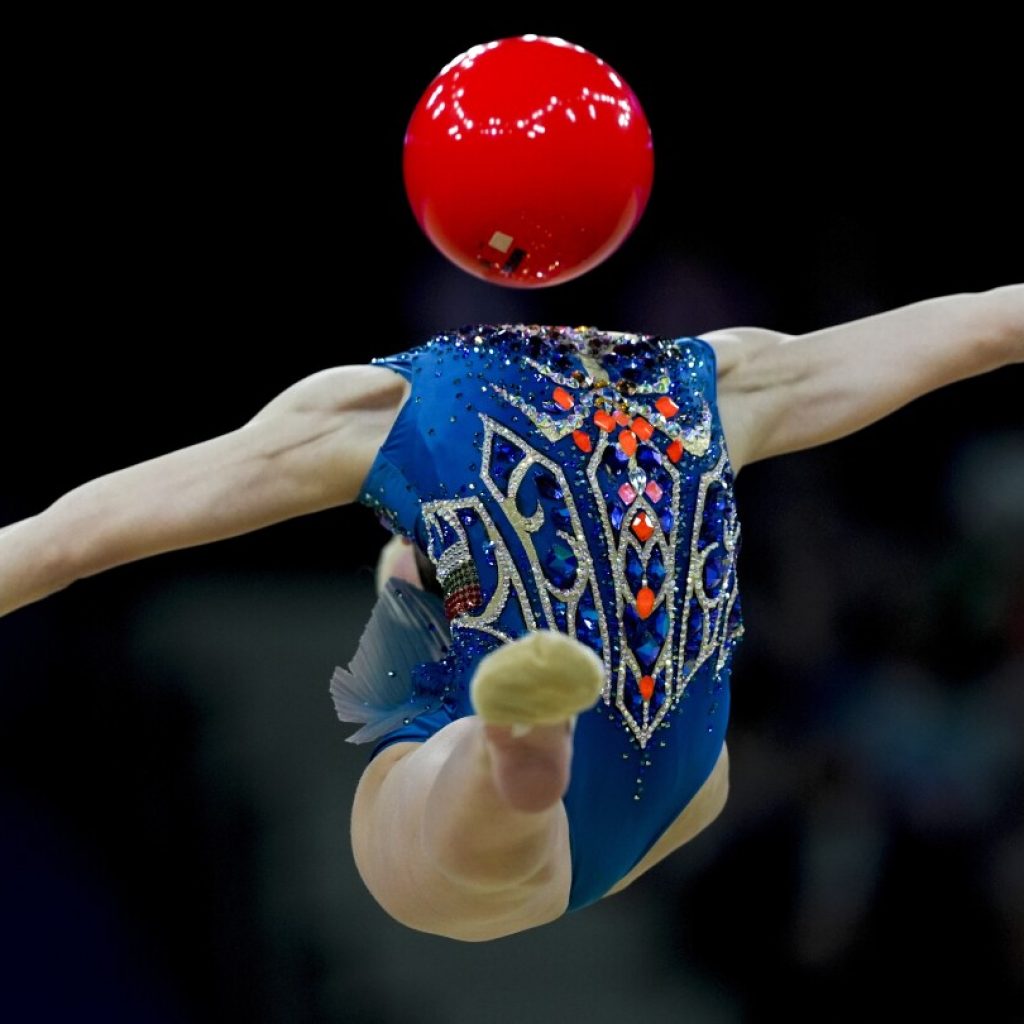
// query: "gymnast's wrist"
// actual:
[[1007, 313]]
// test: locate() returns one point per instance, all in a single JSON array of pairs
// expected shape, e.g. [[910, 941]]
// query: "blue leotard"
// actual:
[[568, 479]]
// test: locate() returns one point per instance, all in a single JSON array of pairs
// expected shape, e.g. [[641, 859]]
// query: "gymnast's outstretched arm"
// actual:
[[782, 393], [309, 449]]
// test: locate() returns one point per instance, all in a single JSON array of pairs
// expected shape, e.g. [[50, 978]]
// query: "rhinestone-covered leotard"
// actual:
[[570, 479]]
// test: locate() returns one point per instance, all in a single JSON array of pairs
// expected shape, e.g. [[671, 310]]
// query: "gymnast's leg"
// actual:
[[465, 835]]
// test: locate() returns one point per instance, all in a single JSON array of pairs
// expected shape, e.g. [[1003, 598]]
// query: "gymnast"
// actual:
[[545, 675]]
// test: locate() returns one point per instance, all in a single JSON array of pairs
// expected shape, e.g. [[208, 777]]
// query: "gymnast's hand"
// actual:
[[309, 449]]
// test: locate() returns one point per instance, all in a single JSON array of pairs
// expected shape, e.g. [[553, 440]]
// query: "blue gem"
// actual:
[[504, 458], [614, 458], [694, 629], [711, 527], [588, 624], [616, 513], [714, 567], [561, 564], [646, 636], [558, 607], [636, 703], [648, 457], [448, 535], [634, 570], [666, 521], [656, 570], [715, 501], [547, 486]]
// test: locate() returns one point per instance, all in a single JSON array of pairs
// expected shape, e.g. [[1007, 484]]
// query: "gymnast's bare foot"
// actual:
[[528, 693]]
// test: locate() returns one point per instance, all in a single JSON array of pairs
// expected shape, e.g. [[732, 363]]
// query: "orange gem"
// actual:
[[666, 406], [645, 602], [627, 440], [642, 428], [621, 418], [675, 450], [603, 420], [582, 440], [562, 397], [642, 526], [646, 687]]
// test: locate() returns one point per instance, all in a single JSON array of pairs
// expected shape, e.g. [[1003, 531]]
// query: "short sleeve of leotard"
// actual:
[[396, 478]]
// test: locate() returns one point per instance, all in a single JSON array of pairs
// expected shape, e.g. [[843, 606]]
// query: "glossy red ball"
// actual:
[[528, 161]]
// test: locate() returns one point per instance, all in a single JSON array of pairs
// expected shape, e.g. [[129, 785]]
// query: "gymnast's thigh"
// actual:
[[406, 881]]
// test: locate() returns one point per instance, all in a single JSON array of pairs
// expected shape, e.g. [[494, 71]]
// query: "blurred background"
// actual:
[[202, 210]]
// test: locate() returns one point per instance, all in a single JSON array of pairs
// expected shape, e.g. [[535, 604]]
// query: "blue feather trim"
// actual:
[[406, 628]]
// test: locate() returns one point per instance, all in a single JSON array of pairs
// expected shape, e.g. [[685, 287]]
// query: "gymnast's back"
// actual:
[[576, 480]]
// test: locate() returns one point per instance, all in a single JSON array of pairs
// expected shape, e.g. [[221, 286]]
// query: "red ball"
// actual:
[[528, 161]]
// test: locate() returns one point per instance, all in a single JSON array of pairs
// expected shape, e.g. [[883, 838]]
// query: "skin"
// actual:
[[465, 835]]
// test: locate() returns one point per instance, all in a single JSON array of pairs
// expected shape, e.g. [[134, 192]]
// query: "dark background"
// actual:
[[202, 211]]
